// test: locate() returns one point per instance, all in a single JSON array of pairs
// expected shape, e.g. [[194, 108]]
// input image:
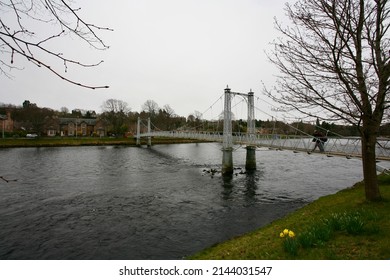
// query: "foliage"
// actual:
[[116, 113], [31, 118]]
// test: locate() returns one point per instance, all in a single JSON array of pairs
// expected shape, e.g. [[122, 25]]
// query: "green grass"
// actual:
[[339, 226]]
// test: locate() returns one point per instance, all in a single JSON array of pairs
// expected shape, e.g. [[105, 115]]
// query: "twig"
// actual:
[[6, 180]]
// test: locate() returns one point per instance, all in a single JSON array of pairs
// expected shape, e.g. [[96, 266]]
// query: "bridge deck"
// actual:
[[347, 146], [330, 153]]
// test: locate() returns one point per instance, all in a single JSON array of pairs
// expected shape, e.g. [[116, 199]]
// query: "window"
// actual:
[[84, 129], [71, 131], [51, 132]]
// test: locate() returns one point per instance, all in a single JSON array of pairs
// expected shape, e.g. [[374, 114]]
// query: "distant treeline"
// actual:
[[32, 118]]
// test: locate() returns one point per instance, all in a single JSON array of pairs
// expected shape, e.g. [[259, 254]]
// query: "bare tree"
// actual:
[[151, 107], [166, 118], [24, 32], [64, 111], [334, 64], [169, 111], [115, 106], [116, 113], [198, 115]]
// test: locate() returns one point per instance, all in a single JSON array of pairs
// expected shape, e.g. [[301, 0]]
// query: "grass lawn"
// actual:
[[339, 226]]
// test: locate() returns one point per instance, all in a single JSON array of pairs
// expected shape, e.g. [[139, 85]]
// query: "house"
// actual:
[[81, 127], [74, 127], [51, 126], [44, 122], [6, 122]]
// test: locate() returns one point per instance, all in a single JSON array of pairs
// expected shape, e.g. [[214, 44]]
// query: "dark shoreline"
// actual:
[[89, 141]]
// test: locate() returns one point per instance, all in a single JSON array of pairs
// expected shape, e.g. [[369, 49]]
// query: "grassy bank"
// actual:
[[339, 226], [83, 141]]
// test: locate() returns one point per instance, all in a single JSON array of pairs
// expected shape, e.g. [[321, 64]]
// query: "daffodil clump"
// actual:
[[290, 244], [287, 233]]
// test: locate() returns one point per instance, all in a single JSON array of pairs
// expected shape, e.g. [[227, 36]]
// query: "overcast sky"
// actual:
[[177, 52]]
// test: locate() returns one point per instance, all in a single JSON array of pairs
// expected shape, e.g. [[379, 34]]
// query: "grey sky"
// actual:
[[177, 52]]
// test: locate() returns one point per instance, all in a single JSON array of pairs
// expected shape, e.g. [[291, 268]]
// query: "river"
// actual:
[[150, 203]]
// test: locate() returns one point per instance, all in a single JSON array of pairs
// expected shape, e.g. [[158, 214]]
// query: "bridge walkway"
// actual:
[[335, 146]]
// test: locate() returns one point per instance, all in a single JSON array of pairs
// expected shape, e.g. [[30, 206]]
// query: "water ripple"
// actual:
[[159, 203]]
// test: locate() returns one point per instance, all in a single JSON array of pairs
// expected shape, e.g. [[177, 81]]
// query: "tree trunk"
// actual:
[[369, 166]]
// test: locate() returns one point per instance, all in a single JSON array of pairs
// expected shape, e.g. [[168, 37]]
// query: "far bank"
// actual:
[[86, 141]]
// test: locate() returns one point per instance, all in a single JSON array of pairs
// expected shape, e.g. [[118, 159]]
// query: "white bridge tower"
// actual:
[[227, 147]]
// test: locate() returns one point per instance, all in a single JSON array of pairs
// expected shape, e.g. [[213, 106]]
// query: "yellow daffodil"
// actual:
[[287, 233]]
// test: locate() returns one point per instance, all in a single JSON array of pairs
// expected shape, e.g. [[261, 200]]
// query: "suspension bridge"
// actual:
[[335, 145]]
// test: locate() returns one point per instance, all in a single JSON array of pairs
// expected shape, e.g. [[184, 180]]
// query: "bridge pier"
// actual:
[[250, 163], [227, 150], [138, 139], [227, 161], [149, 144], [251, 149]]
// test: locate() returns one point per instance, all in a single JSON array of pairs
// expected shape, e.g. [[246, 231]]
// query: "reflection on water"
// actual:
[[158, 203]]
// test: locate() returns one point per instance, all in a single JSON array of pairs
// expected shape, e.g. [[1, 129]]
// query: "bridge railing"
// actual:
[[348, 146], [207, 136]]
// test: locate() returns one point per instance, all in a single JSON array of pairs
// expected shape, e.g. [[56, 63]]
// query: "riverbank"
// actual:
[[338, 226], [85, 141]]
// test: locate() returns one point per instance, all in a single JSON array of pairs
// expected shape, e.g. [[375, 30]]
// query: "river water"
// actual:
[[150, 203]]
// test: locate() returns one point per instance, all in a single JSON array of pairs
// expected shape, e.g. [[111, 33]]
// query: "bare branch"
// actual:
[[334, 63], [7, 180], [18, 40], [325, 58]]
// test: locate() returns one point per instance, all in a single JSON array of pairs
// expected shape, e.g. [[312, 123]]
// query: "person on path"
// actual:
[[319, 139]]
